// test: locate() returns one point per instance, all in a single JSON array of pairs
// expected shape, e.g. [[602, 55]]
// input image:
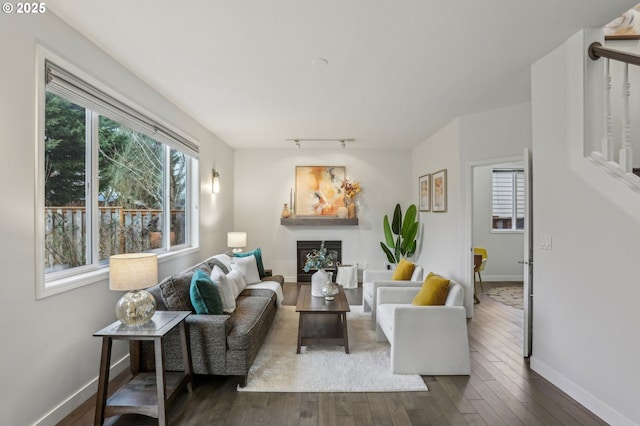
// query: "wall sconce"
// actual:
[[215, 181]]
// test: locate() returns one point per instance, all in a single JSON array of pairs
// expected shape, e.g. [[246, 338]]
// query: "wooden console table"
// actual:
[[143, 395]]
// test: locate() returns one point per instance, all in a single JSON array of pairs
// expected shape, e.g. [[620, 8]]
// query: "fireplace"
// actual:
[[304, 247]]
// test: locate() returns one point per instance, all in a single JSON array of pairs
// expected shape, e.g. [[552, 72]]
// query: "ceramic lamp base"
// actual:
[[136, 307]]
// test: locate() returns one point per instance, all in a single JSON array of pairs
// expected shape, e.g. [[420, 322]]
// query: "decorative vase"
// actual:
[[330, 290], [342, 212], [285, 211], [351, 210], [318, 280]]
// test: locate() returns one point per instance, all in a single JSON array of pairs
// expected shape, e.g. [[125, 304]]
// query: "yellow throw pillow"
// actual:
[[433, 292], [403, 271]]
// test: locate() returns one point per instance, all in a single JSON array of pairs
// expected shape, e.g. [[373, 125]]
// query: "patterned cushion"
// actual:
[[175, 292]]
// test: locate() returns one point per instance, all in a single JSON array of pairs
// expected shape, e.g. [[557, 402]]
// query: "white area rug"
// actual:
[[326, 368]]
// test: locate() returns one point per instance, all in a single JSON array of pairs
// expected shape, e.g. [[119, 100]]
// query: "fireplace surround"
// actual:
[[305, 247]]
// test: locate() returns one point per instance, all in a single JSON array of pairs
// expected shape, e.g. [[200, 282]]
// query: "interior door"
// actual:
[[528, 256]]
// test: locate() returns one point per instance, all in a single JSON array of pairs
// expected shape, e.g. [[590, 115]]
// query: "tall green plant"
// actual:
[[400, 235]]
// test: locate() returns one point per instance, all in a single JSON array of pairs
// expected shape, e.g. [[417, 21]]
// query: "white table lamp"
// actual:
[[237, 241], [133, 272]]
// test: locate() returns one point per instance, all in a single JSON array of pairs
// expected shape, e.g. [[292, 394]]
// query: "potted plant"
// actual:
[[400, 235], [155, 235], [320, 259]]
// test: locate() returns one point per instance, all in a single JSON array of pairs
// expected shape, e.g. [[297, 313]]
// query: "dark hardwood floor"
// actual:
[[501, 390]]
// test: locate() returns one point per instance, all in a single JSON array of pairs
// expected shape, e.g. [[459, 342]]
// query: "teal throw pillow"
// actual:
[[204, 294], [258, 254]]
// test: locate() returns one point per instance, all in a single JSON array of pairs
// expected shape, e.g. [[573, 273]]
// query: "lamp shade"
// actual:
[[133, 271], [236, 239]]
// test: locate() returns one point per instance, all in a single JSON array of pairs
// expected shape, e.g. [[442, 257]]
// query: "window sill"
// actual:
[[51, 288], [507, 231]]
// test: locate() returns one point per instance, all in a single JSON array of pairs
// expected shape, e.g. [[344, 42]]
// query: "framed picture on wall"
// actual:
[[318, 190], [424, 192], [439, 191], [624, 27]]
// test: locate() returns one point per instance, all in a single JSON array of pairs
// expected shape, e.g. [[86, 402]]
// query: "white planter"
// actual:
[[318, 280]]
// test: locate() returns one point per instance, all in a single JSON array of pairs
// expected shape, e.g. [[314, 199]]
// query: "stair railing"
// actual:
[[623, 168]]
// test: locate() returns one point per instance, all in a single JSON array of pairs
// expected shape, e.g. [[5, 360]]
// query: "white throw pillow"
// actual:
[[236, 278], [226, 289], [248, 267]]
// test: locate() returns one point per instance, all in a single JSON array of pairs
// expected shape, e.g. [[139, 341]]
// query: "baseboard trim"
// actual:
[[502, 278], [597, 406], [81, 395]]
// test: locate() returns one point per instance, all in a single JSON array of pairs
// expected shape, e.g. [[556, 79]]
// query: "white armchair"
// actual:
[[372, 279], [426, 340]]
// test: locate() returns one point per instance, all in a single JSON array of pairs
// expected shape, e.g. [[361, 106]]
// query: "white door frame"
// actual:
[[467, 246]]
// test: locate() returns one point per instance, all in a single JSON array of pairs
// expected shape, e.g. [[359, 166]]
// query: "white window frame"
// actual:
[[81, 276], [514, 219]]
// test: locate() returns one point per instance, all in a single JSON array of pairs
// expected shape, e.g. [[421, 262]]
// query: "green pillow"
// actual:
[[258, 254], [204, 294]]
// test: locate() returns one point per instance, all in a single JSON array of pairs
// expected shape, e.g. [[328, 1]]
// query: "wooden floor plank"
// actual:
[[397, 412], [461, 403], [378, 408], [327, 409], [487, 413], [448, 407]]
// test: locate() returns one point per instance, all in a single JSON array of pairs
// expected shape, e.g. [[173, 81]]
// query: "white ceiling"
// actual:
[[397, 70]]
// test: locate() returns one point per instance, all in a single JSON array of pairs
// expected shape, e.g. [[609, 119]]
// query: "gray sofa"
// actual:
[[220, 344]]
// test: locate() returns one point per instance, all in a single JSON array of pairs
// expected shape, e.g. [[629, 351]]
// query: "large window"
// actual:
[[507, 200], [114, 182]]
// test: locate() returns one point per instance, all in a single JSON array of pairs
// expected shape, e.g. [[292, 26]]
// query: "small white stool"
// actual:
[[347, 276]]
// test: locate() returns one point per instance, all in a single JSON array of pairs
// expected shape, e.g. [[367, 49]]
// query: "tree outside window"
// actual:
[[139, 203]]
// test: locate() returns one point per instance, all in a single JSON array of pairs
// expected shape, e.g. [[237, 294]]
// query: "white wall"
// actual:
[[585, 322], [440, 231], [504, 249], [49, 358], [264, 179], [470, 140]]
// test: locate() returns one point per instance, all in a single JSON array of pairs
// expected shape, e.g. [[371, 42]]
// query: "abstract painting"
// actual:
[[318, 190], [624, 27]]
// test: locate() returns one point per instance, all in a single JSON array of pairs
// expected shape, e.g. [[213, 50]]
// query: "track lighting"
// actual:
[[343, 142]]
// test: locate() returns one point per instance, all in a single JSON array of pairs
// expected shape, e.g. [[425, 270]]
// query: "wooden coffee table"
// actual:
[[322, 322]]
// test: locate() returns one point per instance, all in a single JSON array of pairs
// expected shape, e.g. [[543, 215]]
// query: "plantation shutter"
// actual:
[[508, 201], [78, 91], [520, 208]]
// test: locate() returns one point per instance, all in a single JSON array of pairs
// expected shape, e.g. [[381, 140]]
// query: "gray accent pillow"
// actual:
[[175, 292]]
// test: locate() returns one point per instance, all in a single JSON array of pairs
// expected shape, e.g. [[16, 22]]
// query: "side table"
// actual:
[[142, 394]]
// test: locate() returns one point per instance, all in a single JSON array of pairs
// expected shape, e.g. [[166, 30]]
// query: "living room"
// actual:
[[585, 325]]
